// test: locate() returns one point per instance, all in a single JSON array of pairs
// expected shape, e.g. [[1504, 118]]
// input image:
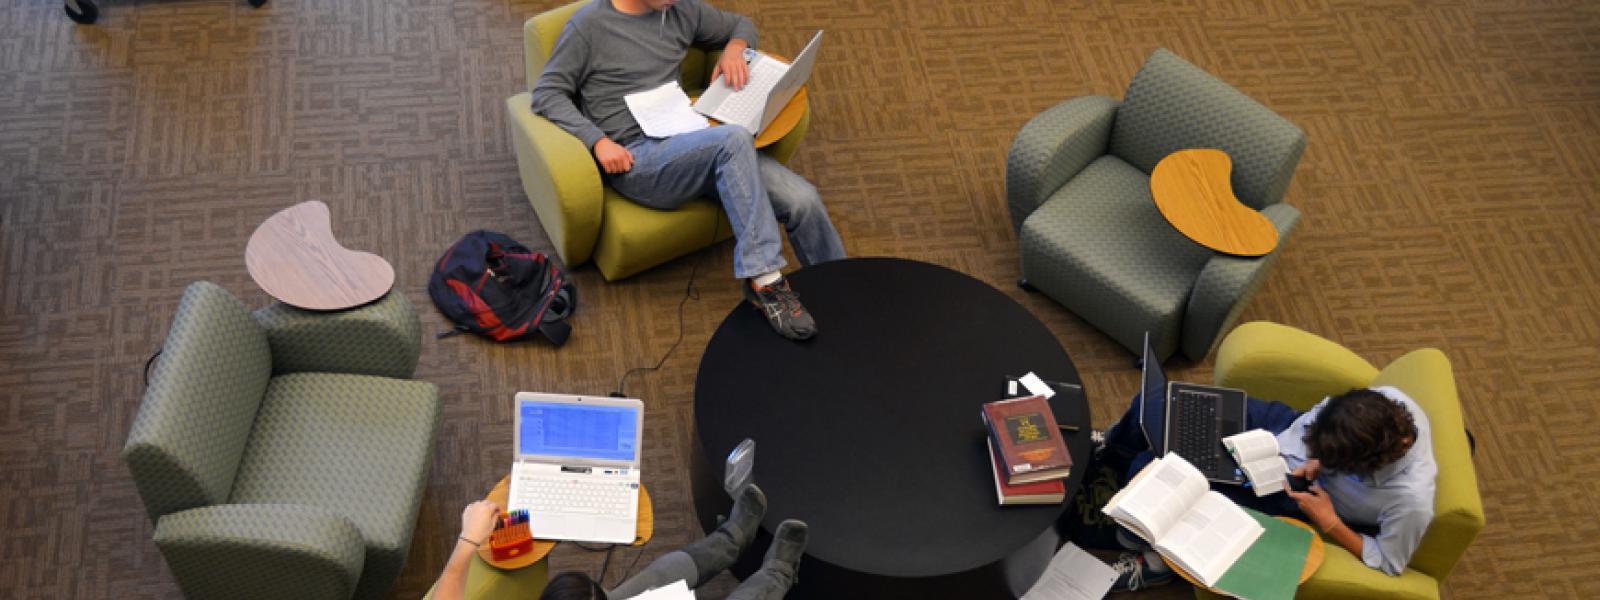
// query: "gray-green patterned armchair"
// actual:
[[1090, 236], [283, 454]]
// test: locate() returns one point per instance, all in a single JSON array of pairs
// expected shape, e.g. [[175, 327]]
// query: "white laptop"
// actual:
[[576, 469], [772, 83]]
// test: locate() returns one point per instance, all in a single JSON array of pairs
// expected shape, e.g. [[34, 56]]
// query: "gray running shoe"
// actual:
[[782, 308]]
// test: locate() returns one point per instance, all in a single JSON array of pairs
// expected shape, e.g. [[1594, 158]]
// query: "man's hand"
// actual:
[[613, 157], [1317, 506], [1309, 470], [477, 520], [732, 65]]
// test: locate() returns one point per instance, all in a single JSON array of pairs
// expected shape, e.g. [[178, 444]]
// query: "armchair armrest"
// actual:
[[1278, 362], [1225, 286], [261, 551], [560, 178], [1051, 148], [383, 338]]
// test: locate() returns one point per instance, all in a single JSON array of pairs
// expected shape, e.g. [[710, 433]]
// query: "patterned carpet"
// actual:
[[1449, 191]]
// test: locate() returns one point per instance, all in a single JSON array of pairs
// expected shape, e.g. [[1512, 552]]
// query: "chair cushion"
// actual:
[[1101, 248], [634, 237], [357, 445]]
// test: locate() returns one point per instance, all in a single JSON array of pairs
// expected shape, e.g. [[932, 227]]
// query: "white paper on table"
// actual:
[[1037, 386], [664, 111], [677, 590], [1073, 575]]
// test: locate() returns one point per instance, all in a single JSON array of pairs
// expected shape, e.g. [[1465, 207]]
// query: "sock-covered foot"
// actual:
[[778, 302], [788, 546], [1140, 570], [717, 551]]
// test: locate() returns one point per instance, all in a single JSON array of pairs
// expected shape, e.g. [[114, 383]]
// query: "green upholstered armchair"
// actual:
[[283, 454], [586, 219], [1090, 236], [1297, 368]]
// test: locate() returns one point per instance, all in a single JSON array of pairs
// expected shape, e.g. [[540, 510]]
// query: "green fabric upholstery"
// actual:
[[486, 582], [383, 338], [576, 210], [190, 431], [1100, 247], [1172, 105], [1052, 148], [356, 445], [1226, 284], [253, 478], [261, 551], [1298, 368], [1078, 190]]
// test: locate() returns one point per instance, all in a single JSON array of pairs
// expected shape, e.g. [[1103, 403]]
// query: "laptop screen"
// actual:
[[1153, 399], [578, 430]]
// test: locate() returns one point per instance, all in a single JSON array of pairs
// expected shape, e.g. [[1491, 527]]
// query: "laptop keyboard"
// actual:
[[1194, 429], [573, 496], [746, 105]]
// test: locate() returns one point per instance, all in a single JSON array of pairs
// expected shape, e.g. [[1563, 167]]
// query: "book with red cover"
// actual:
[[1043, 492], [1028, 440]]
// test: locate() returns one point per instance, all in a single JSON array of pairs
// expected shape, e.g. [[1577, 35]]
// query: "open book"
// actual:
[[1172, 507], [1256, 451]]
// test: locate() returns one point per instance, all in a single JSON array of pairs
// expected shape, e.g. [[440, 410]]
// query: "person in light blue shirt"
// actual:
[[1368, 452]]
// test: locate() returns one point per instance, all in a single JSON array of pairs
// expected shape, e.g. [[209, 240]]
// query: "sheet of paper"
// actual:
[[1073, 575], [664, 111], [1037, 386], [677, 590]]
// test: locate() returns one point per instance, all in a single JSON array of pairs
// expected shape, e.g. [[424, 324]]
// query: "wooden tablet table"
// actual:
[[1192, 190]]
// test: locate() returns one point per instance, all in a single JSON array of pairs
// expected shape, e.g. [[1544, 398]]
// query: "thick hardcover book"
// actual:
[[1043, 492], [1028, 439]]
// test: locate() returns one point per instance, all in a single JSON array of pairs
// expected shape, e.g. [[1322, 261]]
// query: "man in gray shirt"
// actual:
[[612, 48]]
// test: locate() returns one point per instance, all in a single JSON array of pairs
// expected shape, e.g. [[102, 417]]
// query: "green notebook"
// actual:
[[1270, 569]]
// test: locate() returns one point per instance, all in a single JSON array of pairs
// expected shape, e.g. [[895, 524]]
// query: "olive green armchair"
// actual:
[[586, 219], [1297, 368]]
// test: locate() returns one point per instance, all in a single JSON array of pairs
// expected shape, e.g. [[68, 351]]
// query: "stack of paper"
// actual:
[[664, 111], [1073, 575]]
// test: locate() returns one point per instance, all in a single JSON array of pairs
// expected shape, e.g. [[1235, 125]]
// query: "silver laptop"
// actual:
[[770, 87], [576, 469]]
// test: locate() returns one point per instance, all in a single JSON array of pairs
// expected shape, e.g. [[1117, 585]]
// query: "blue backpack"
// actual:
[[489, 284]]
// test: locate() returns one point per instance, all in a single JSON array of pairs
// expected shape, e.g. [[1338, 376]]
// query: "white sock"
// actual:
[[767, 279]]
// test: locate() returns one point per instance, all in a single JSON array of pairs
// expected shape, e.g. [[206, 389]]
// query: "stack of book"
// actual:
[[1027, 451]]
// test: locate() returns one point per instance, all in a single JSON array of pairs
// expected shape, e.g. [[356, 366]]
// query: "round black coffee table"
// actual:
[[870, 432]]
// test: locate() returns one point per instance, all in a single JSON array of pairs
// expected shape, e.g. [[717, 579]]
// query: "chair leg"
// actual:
[[82, 11], [257, 3], [1026, 287]]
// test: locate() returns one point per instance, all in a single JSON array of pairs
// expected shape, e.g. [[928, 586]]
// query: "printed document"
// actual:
[[1073, 575], [664, 111]]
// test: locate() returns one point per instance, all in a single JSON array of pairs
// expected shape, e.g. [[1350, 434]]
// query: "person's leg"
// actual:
[[799, 207], [1275, 417], [699, 561], [779, 568], [722, 161]]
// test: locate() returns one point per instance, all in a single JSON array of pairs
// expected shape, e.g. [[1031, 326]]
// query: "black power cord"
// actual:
[[689, 293]]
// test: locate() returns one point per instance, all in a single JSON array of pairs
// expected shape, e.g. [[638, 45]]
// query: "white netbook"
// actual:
[[772, 83], [576, 468]]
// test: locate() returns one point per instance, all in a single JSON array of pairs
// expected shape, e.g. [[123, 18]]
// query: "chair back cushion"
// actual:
[[1425, 375], [187, 439], [1172, 105], [539, 35]]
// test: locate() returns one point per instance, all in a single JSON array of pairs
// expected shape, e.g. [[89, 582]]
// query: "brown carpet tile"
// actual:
[[1449, 191]]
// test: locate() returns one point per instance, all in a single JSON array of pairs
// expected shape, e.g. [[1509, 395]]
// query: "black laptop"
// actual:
[[1190, 420]]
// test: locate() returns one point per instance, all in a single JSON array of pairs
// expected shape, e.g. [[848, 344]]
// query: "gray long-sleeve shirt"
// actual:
[[604, 54]]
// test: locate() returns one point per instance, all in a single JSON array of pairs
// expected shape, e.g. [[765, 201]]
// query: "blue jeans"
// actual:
[[1275, 417], [756, 192]]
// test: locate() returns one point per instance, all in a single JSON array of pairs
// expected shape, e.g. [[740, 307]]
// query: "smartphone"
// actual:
[[1298, 483]]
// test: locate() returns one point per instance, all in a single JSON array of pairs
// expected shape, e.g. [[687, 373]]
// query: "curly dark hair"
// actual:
[[572, 585], [1359, 432]]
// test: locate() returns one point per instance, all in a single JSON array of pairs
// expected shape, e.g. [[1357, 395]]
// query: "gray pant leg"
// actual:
[[762, 585], [671, 567], [796, 204]]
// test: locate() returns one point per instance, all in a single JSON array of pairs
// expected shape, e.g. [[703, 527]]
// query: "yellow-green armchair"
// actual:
[[1297, 368], [586, 219]]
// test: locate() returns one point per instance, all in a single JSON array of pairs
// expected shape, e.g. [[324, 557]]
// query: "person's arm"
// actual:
[[1400, 531], [734, 32], [477, 522], [558, 85], [1318, 507]]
